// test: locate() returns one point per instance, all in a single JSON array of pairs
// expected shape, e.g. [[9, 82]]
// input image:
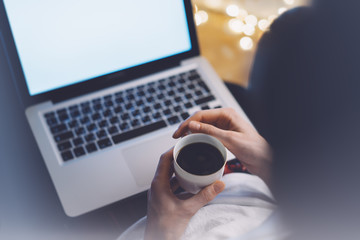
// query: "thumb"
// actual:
[[207, 194]]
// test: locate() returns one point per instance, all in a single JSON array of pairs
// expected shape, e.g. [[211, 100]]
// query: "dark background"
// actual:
[[29, 206]]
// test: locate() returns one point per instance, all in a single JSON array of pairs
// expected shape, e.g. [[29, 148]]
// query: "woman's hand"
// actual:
[[168, 215], [239, 136]]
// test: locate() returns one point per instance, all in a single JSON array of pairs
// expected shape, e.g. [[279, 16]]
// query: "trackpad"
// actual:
[[143, 159]]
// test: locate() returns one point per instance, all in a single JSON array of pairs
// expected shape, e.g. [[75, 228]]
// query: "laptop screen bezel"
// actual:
[[98, 83]]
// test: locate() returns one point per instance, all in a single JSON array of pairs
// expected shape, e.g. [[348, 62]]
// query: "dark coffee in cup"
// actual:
[[200, 159]]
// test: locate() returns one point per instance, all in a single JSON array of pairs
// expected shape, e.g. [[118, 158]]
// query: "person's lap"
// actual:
[[245, 203]]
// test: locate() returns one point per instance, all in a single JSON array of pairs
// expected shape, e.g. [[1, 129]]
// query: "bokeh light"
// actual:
[[246, 43]]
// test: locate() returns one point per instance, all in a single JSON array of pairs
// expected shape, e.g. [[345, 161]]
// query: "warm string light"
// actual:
[[241, 21]]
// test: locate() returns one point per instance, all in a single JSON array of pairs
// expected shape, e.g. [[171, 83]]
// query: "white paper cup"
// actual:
[[194, 183]]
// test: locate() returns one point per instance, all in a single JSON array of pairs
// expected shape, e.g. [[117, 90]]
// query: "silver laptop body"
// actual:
[[101, 134]]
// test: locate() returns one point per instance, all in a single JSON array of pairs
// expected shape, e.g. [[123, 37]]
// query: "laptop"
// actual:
[[104, 85]]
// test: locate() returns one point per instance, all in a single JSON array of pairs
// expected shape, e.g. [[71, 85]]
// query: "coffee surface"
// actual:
[[200, 159]]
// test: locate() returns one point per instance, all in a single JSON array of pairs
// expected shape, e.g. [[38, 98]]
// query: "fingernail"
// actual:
[[194, 125], [219, 186]]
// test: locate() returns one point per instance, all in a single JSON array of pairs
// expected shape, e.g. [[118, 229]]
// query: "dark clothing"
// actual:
[[303, 98]]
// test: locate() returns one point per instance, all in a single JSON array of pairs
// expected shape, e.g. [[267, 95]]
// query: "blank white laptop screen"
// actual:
[[63, 42]]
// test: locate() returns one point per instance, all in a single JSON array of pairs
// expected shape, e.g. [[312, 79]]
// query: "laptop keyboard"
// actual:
[[103, 122]]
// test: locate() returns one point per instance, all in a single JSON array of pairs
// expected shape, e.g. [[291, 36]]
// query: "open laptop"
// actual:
[[105, 84]]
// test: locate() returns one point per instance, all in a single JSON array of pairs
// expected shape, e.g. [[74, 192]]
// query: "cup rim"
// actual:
[[222, 151]]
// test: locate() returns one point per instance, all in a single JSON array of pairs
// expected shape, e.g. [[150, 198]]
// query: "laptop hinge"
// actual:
[[109, 81]]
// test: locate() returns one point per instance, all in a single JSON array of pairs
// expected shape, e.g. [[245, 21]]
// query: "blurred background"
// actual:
[[229, 30]]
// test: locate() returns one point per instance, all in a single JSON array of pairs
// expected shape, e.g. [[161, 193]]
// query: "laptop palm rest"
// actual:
[[143, 168]]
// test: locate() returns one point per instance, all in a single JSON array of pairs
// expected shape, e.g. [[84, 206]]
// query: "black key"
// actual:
[[64, 136], [124, 126], [103, 123], [66, 156], [74, 108], [98, 107], [181, 89], [49, 115], [135, 122], [205, 100], [95, 116], [156, 115], [141, 87], [125, 116], [86, 110], [138, 132], [146, 109], [85, 120], [193, 72], [150, 99], [91, 148], [80, 131], [139, 103], [117, 109], [101, 134], [112, 130], [73, 123], [218, 106], [90, 137], [129, 106], [96, 101], [79, 151], [119, 99], [157, 106], [167, 112], [75, 114], [178, 109], [140, 93], [107, 97], [160, 96], [85, 104], [64, 117], [130, 90], [108, 113], [185, 115], [109, 103], [130, 97], [188, 96], [173, 120], [51, 121], [146, 119], [205, 107], [188, 105], [119, 94], [198, 93], [61, 111], [151, 90], [194, 76], [91, 127], [204, 86], [104, 143], [78, 141], [182, 80], [58, 129], [135, 113], [64, 146]]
